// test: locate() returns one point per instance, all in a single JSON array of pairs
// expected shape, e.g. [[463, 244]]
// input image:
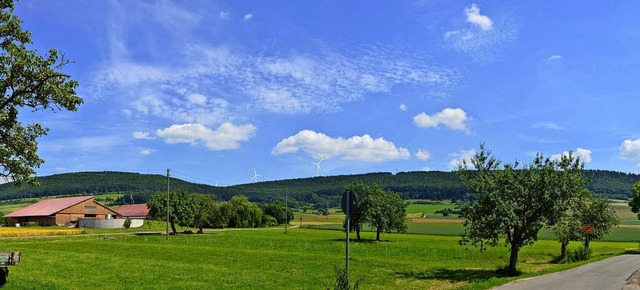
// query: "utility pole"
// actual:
[[167, 236], [286, 210]]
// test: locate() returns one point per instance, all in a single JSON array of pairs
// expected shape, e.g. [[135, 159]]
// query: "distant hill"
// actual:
[[421, 184]]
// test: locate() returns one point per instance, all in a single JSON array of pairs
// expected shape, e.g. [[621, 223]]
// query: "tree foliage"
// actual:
[[27, 81], [241, 213], [635, 200], [181, 208], [584, 209], [515, 201], [279, 211], [381, 209]]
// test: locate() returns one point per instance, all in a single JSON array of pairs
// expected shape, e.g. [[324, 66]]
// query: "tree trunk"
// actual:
[[173, 228], [563, 249], [513, 260], [200, 231], [358, 233], [378, 234]]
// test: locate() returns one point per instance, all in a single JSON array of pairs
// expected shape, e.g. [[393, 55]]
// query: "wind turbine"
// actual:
[[255, 175], [318, 170]]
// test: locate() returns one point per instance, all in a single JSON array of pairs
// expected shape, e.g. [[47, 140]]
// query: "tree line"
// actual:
[[435, 185]]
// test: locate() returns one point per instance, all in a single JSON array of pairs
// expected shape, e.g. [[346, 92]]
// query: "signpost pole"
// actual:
[[348, 229]]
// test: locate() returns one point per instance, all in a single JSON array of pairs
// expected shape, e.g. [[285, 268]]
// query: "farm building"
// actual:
[[133, 211], [60, 211]]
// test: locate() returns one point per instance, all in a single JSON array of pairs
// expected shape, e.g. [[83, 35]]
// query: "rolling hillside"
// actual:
[[425, 185]]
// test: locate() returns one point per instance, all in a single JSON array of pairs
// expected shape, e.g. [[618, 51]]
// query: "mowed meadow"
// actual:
[[427, 257], [270, 259]]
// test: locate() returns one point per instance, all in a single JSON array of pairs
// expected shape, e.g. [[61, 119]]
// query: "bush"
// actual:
[[342, 280], [269, 221], [580, 254], [127, 223]]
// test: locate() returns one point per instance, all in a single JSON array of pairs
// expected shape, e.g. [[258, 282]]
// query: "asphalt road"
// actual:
[[608, 274]]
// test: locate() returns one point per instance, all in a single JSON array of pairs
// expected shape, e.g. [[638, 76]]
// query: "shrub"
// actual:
[[342, 280], [580, 254], [127, 223]]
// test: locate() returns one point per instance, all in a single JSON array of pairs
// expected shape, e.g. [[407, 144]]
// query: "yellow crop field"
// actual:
[[27, 232]]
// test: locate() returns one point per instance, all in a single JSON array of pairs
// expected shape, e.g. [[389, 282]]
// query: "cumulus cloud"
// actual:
[[548, 125], [142, 135], [360, 148], [630, 149], [455, 119], [403, 107], [474, 17], [227, 136], [422, 154], [555, 56], [458, 157], [583, 154]]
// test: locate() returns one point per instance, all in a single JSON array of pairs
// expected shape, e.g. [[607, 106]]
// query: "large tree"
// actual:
[[383, 210], [205, 211], [181, 208], [28, 81], [635, 201], [515, 201], [584, 209]]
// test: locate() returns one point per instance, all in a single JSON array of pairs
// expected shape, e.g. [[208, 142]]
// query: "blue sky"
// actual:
[[213, 89]]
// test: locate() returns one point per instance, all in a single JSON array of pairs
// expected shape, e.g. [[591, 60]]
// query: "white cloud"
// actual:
[[360, 148], [227, 136], [248, 16], [294, 84], [474, 17], [142, 135], [548, 125], [145, 152], [225, 14], [403, 107], [458, 157], [481, 44], [455, 119], [422, 154], [630, 149], [59, 169], [197, 99], [555, 56], [583, 154], [426, 169]]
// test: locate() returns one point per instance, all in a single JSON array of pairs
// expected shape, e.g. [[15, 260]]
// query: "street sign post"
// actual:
[[349, 204]]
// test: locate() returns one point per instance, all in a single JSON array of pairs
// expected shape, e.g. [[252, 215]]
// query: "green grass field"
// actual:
[[269, 259]]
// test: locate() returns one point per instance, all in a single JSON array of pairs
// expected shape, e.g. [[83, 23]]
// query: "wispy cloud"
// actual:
[[225, 15], [403, 107], [548, 125], [422, 154], [360, 148], [554, 57], [142, 135], [459, 157], [455, 119], [248, 16], [483, 41]]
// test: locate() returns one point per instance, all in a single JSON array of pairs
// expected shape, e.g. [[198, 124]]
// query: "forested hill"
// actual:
[[428, 185]]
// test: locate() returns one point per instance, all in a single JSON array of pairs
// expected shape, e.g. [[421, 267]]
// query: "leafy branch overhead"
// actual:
[[31, 81]]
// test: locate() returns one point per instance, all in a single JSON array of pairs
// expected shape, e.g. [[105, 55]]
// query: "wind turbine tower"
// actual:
[[255, 175], [317, 164]]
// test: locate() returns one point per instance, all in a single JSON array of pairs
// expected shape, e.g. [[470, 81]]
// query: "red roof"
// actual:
[[48, 207], [133, 210]]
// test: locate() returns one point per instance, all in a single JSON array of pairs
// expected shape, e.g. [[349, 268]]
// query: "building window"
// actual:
[[90, 207]]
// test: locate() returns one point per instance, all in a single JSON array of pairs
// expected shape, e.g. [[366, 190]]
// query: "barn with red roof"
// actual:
[[133, 211], [61, 211]]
